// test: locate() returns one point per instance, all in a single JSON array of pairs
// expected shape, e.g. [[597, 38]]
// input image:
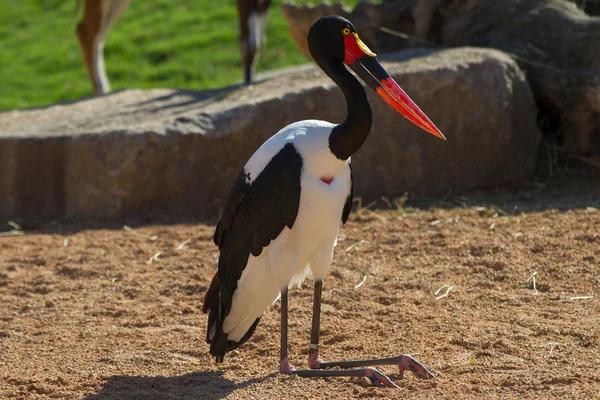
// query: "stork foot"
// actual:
[[314, 361], [285, 367], [378, 379], [407, 362], [404, 362]]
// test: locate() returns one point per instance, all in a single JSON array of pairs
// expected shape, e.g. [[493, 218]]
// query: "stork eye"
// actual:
[[346, 31]]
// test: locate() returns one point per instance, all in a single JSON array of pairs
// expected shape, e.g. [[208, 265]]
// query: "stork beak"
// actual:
[[364, 63]]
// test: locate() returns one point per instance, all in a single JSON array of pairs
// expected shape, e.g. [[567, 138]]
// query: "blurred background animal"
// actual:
[[99, 16]]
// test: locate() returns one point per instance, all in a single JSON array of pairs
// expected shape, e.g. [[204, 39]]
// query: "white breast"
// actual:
[[311, 140], [308, 246]]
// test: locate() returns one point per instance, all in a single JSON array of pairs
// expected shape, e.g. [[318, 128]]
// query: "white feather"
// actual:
[[308, 246]]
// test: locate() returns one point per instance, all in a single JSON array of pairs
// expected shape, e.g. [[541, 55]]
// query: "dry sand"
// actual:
[[115, 313]]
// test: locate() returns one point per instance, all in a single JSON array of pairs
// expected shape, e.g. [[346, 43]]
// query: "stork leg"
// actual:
[[314, 362], [404, 361], [376, 377], [284, 364]]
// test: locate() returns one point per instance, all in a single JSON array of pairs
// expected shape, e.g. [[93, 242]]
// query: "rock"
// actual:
[[368, 18], [563, 69], [300, 18], [174, 152], [591, 7]]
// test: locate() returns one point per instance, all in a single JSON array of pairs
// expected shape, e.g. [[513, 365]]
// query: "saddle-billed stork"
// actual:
[[283, 213]]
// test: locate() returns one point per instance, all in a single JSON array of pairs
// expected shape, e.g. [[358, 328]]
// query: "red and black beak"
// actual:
[[364, 63]]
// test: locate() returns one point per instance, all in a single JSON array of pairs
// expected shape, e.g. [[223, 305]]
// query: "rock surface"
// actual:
[[563, 69], [169, 152]]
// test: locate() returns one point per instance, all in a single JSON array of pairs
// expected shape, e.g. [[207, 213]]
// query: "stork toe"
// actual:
[[407, 362], [285, 367], [314, 361], [378, 379]]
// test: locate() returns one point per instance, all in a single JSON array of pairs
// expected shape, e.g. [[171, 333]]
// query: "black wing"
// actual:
[[348, 205], [254, 215]]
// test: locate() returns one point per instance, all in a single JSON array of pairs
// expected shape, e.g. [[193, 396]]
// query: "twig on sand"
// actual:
[[532, 280], [362, 209], [399, 202], [362, 282], [574, 299], [153, 258], [448, 289], [15, 226], [16, 230], [355, 245], [387, 201], [129, 229], [183, 244], [12, 233], [550, 352], [374, 214]]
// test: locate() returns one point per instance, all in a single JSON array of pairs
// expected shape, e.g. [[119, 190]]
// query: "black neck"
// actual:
[[346, 138]]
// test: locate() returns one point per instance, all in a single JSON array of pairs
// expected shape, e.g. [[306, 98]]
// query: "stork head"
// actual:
[[334, 36]]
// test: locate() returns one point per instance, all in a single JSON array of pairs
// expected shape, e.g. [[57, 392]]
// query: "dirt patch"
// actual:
[[115, 313]]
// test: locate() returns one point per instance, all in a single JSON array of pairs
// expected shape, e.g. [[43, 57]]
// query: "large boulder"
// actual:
[[553, 41], [165, 152]]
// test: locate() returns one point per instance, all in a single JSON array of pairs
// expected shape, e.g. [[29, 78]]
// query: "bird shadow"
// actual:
[[205, 385]]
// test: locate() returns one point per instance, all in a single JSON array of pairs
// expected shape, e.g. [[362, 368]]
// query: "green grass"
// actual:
[[156, 43]]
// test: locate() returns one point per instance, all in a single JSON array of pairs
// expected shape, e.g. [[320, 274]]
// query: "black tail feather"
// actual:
[[219, 344], [212, 306]]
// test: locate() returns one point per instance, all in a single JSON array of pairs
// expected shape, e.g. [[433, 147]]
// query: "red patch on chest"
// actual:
[[327, 179]]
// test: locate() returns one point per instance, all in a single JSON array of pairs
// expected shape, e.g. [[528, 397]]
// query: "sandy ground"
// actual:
[[115, 313]]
